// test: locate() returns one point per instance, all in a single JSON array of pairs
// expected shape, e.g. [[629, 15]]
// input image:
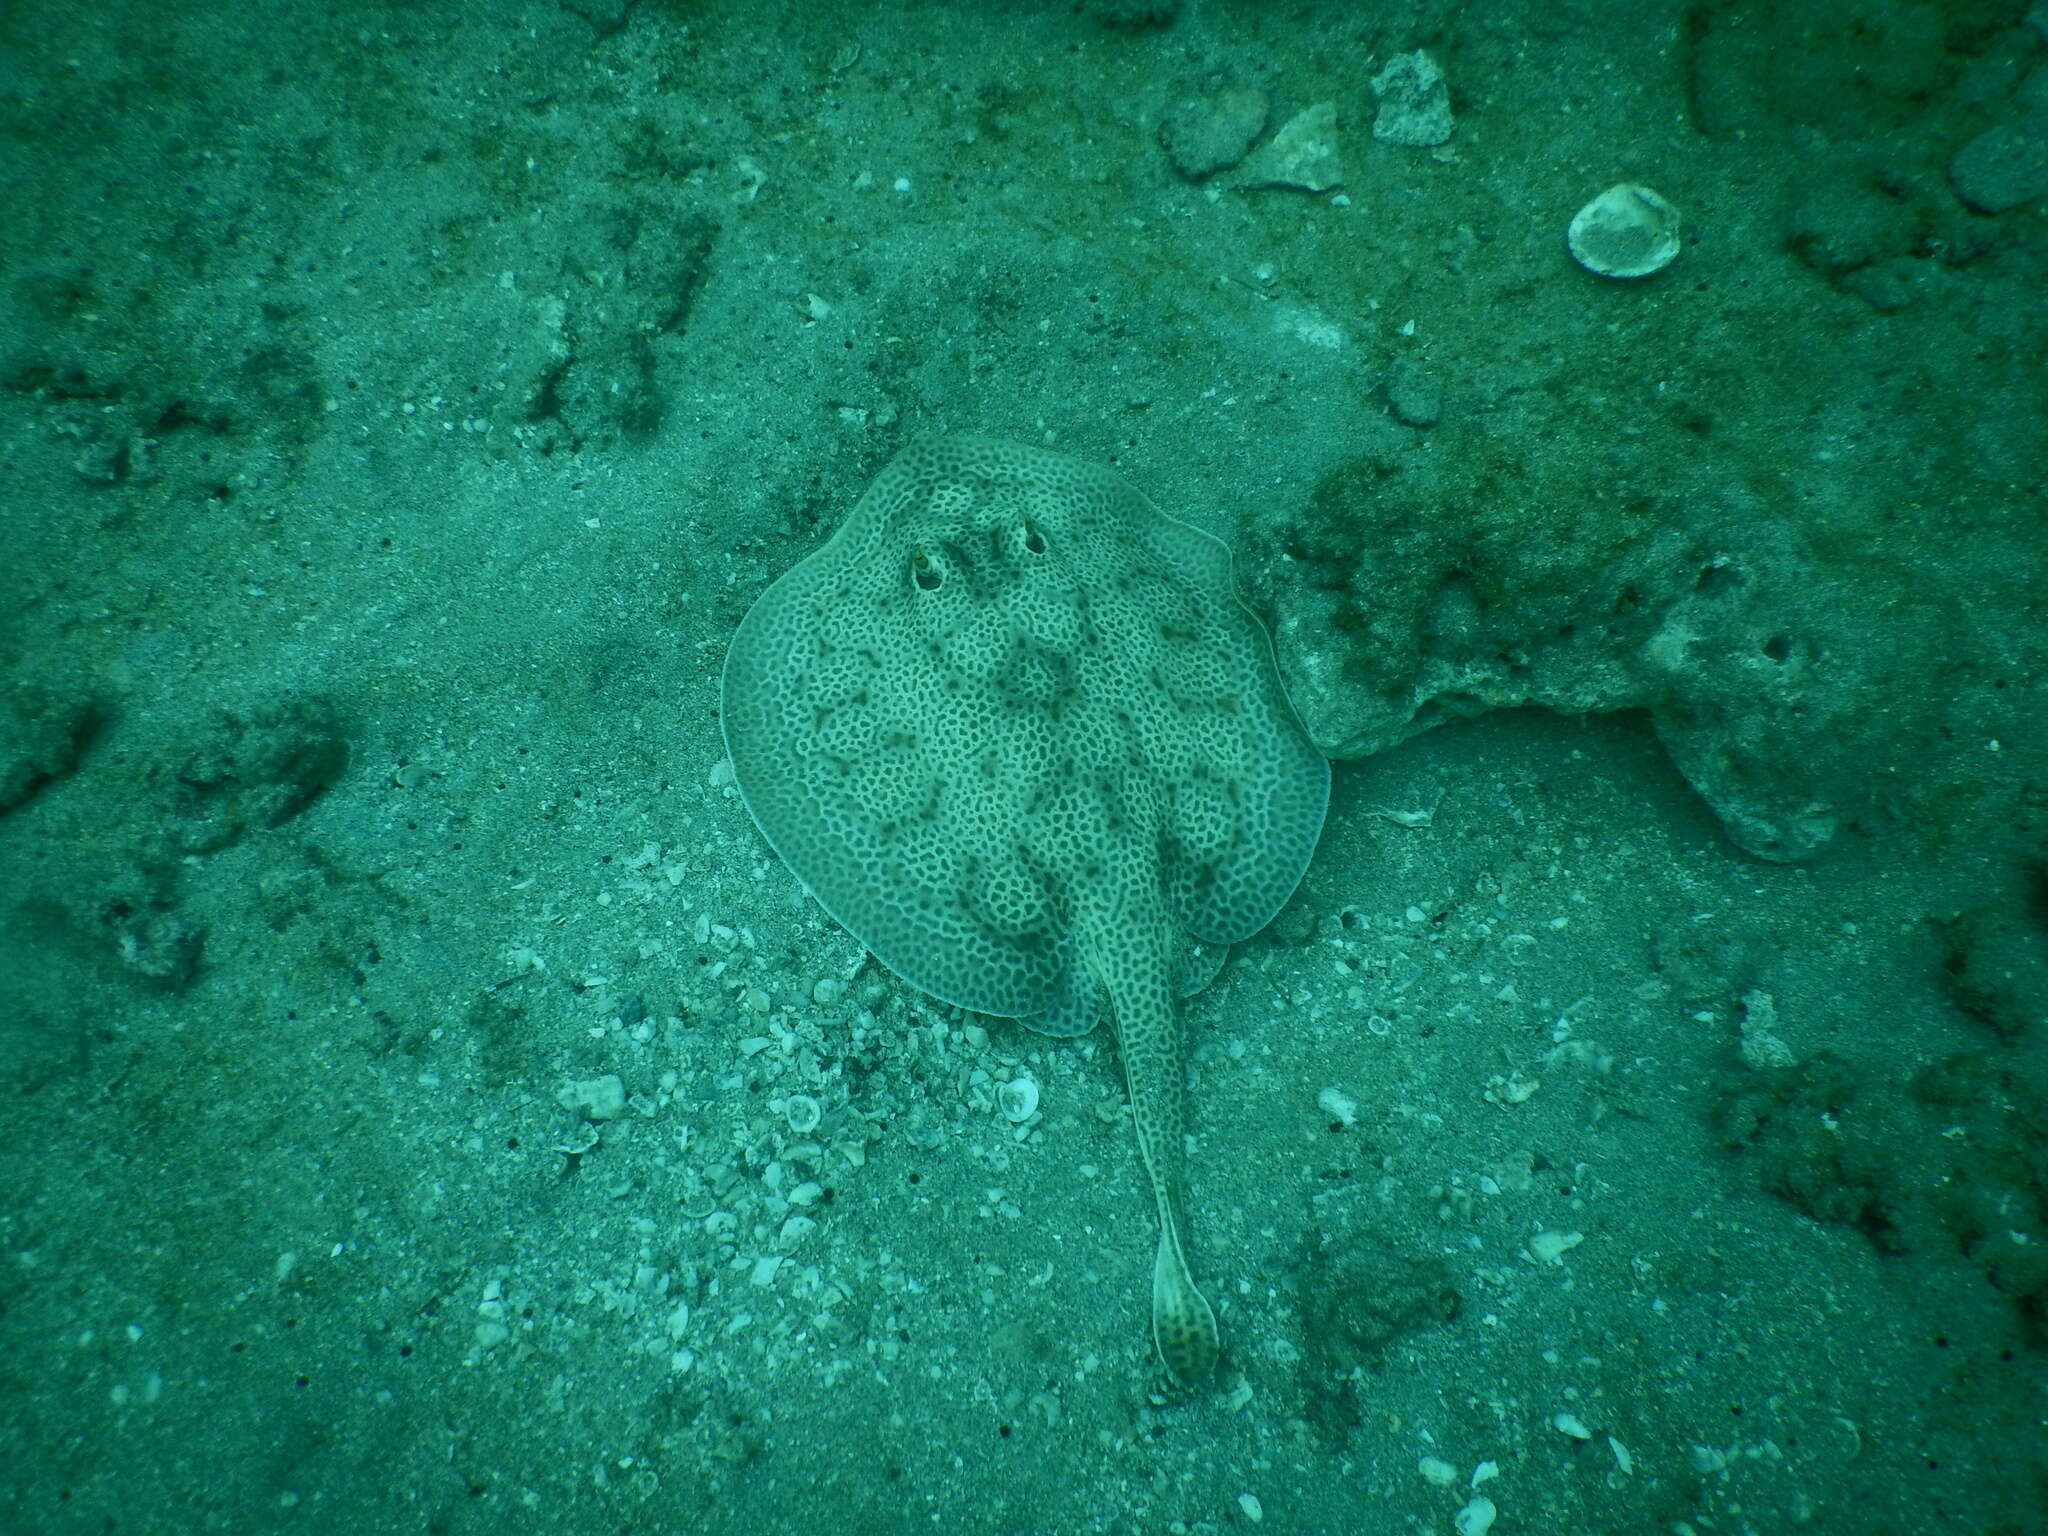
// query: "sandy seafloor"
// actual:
[[399, 406]]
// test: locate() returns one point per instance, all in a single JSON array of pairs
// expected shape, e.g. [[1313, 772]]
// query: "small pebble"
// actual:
[[1254, 1511], [1570, 1424]]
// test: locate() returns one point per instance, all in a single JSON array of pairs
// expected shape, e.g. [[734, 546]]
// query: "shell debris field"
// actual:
[[1013, 728]]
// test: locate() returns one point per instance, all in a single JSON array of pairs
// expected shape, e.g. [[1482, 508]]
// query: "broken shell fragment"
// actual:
[[596, 1098], [1627, 231], [1302, 154]]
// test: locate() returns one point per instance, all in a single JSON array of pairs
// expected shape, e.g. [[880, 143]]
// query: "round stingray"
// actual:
[[1004, 677]]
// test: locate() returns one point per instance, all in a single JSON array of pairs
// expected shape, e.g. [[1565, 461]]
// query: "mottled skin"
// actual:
[[1011, 726]]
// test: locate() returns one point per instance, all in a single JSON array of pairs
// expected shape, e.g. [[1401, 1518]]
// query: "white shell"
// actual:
[[1627, 231], [1017, 1099]]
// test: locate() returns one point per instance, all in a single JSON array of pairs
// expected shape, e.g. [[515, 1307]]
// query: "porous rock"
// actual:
[[1415, 106]]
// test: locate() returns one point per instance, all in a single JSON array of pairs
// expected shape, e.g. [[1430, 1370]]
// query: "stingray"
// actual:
[[1012, 727]]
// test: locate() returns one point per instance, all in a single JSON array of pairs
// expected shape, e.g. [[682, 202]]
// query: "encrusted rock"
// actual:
[[1206, 134], [1742, 649]]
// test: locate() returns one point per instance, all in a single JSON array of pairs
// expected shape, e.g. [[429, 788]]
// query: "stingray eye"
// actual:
[[924, 573], [1033, 539]]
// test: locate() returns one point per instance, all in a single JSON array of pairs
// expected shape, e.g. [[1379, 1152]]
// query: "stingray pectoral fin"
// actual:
[[1199, 964], [1073, 1010]]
